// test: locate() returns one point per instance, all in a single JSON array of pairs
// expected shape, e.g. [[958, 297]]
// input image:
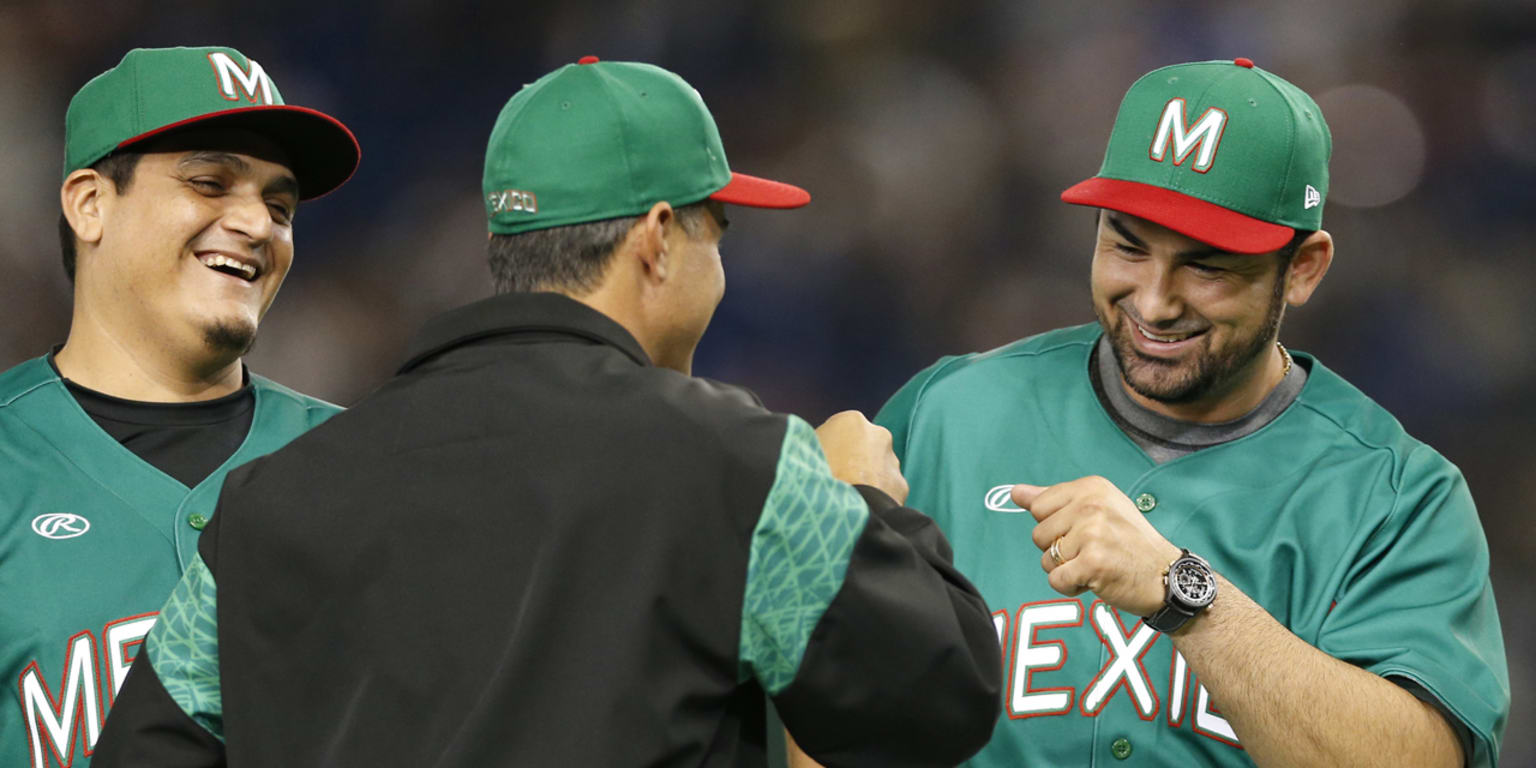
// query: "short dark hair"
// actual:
[[1288, 251], [119, 167], [571, 258]]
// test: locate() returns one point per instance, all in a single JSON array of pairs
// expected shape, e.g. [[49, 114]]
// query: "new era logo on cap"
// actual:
[[1312, 198]]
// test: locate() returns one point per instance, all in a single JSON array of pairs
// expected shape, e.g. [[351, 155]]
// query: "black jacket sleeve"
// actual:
[[903, 668], [147, 729]]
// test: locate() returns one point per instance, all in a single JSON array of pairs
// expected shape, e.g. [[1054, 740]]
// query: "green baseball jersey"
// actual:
[[92, 540], [1361, 540]]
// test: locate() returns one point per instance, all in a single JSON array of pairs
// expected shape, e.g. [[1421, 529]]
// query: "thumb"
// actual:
[[1025, 494]]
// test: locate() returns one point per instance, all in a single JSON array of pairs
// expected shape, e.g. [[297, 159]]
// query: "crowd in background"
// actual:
[[934, 138]]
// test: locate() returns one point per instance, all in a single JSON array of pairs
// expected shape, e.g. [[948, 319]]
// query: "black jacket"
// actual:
[[534, 548]]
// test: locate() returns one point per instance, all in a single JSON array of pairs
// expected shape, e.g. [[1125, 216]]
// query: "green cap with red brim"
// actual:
[[1221, 151], [155, 92], [601, 140]]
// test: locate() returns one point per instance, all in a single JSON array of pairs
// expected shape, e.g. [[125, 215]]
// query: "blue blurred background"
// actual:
[[935, 138]]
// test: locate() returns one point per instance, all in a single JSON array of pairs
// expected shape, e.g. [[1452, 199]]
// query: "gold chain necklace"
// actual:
[[1287, 356]]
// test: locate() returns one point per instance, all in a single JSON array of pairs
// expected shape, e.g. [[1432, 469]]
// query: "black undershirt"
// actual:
[[187, 441]]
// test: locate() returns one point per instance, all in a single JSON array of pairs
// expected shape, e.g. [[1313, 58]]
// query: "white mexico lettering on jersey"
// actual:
[[1208, 723], [1178, 683], [1033, 655], [255, 86], [79, 704], [1126, 650], [1124, 665], [120, 640], [1206, 134]]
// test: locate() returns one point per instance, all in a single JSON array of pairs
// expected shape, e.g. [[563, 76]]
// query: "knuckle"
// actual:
[[1091, 557]]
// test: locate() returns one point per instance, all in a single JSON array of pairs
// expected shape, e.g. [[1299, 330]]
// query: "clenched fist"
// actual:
[[1105, 544], [860, 453]]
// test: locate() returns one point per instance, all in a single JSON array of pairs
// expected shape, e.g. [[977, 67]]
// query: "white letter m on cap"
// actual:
[[1206, 133], [255, 87]]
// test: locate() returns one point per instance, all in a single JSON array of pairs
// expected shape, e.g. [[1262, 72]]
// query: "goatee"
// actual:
[[235, 339]]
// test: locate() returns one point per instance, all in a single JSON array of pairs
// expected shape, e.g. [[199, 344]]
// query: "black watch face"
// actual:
[[1192, 583]]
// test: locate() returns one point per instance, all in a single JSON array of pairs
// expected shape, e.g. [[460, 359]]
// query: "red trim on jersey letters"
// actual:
[[116, 652], [1118, 648], [1022, 687], [36, 730], [1205, 709]]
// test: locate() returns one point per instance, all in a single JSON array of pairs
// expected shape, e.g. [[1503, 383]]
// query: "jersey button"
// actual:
[[1120, 748], [1146, 502], [197, 520]]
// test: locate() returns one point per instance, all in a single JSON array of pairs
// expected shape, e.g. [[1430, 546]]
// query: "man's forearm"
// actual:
[[1292, 704]]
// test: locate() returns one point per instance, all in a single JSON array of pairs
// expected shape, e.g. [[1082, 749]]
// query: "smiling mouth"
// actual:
[[1171, 338], [218, 262]]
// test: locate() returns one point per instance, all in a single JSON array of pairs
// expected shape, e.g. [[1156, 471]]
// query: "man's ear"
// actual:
[[81, 199], [1311, 262], [648, 239]]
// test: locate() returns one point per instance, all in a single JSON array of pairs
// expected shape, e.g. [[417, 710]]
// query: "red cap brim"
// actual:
[[1209, 223], [761, 193]]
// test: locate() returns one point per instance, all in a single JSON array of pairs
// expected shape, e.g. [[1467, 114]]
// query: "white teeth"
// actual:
[[219, 260], [1164, 339]]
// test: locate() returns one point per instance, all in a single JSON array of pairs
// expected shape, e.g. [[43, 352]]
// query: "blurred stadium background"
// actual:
[[935, 138]]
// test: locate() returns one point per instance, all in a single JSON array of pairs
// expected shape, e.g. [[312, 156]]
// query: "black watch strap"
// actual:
[[1189, 587], [1169, 618]]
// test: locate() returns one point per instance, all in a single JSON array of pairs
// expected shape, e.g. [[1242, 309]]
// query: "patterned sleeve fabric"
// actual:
[[876, 651], [184, 648], [799, 556]]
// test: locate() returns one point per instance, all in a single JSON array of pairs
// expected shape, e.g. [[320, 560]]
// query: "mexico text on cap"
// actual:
[[605, 139]]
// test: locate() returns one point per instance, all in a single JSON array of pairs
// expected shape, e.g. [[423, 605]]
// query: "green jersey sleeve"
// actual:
[[1418, 604], [184, 648], [876, 651], [799, 556]]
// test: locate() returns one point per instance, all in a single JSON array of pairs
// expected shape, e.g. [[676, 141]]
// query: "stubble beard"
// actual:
[[1186, 382]]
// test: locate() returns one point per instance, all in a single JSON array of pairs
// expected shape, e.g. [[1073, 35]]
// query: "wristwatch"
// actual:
[[1191, 587]]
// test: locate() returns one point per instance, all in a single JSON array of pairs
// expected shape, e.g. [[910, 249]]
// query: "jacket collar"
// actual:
[[519, 313]]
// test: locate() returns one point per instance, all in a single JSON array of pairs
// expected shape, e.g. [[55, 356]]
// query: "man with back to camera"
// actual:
[[183, 169], [545, 543], [1318, 574]]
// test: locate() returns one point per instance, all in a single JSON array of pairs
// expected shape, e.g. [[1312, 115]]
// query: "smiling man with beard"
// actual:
[[1279, 574], [183, 169]]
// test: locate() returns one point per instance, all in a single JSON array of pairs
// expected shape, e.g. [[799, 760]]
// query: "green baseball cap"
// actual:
[[600, 140], [155, 91], [1221, 151]]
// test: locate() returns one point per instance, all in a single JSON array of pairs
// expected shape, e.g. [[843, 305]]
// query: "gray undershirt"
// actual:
[[1165, 439]]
